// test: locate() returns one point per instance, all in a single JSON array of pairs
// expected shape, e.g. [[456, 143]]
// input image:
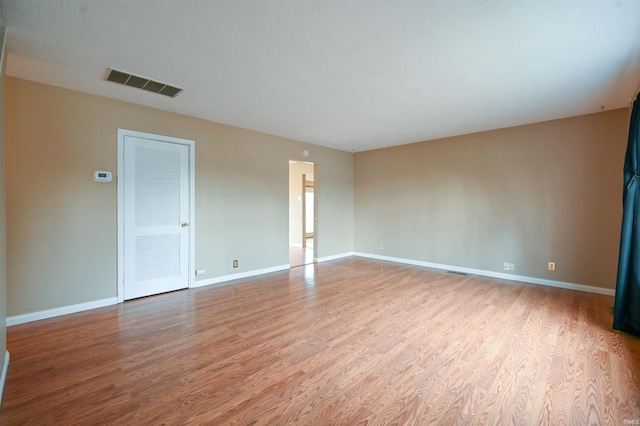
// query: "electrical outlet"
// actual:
[[551, 266], [235, 263], [380, 246], [201, 272], [508, 266]]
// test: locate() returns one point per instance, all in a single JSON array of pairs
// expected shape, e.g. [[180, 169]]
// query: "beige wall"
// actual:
[[3, 238], [296, 170], [62, 225], [526, 195]]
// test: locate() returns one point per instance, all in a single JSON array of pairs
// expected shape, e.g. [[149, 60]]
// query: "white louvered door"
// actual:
[[156, 217]]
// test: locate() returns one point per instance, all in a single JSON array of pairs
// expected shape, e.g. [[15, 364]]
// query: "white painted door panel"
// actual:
[[156, 217]]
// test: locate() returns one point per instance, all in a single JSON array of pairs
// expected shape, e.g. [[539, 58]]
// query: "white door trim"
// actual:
[[120, 179]]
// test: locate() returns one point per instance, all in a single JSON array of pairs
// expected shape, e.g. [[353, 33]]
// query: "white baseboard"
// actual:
[[492, 274], [3, 377], [50, 313], [333, 257], [248, 274]]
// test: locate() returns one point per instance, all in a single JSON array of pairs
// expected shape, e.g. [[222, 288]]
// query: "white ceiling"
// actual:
[[352, 75]]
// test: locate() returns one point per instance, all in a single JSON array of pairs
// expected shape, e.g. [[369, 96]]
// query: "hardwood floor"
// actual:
[[348, 342], [299, 256]]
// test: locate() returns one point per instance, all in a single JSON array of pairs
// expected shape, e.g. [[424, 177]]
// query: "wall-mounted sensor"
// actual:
[[102, 176]]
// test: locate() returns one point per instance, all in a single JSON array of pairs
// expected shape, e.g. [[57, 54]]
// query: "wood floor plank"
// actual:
[[348, 342]]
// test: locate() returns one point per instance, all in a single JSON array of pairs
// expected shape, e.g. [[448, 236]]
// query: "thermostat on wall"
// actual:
[[102, 176]]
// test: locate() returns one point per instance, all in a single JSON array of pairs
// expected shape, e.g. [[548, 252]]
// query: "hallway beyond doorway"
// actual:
[[300, 256]]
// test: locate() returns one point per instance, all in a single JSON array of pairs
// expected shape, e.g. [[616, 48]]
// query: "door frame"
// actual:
[[305, 185], [122, 133]]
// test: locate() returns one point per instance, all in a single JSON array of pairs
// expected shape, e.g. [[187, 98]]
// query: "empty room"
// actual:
[[319, 212]]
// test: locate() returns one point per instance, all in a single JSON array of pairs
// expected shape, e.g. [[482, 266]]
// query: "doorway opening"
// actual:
[[302, 213]]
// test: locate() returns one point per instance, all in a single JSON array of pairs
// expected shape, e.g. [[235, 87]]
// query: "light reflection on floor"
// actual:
[[310, 274]]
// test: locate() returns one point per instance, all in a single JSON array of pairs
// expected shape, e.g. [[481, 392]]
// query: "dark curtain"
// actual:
[[626, 314]]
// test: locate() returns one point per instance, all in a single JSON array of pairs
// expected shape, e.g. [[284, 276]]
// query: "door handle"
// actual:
[[185, 224]]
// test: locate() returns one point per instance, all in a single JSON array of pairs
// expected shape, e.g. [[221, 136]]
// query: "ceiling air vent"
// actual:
[[142, 83]]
